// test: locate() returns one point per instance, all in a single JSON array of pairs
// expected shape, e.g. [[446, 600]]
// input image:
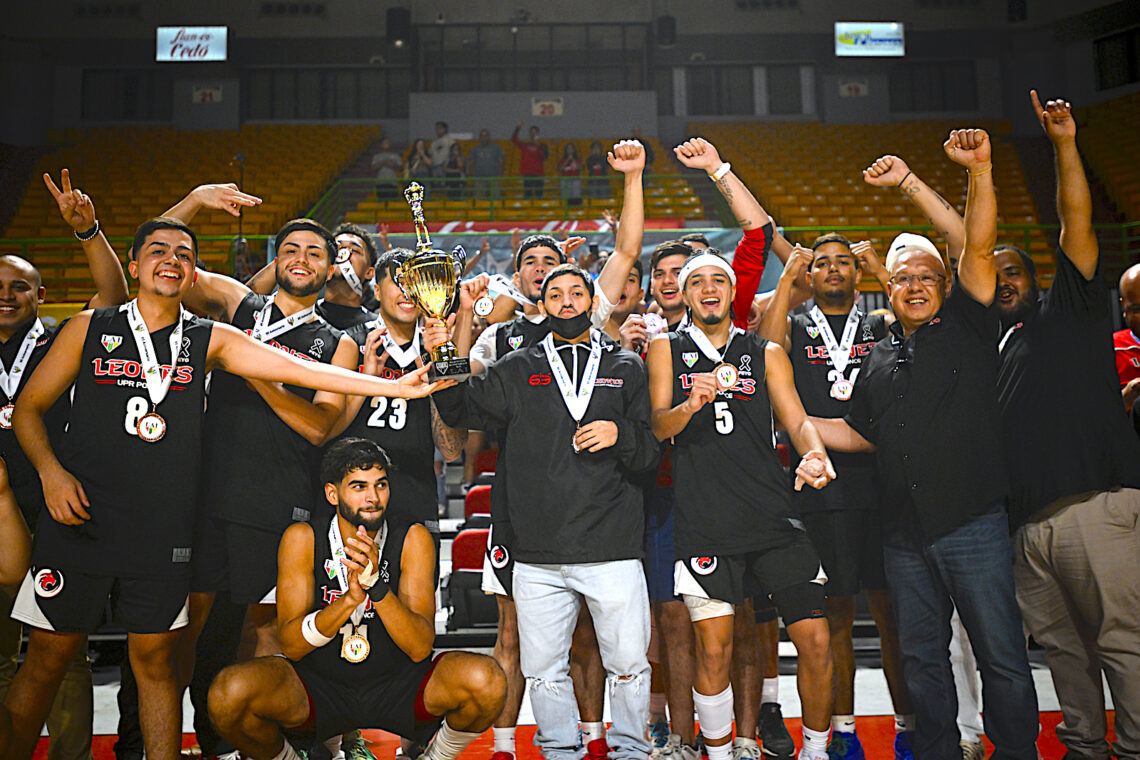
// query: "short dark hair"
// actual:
[[348, 228], [562, 269], [668, 248], [389, 261], [308, 225], [640, 268], [1026, 260], [442, 124], [538, 241], [832, 237], [695, 237], [347, 454], [150, 226]]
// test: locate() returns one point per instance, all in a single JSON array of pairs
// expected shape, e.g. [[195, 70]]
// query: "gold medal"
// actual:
[[6, 416], [726, 375], [151, 427], [355, 648]]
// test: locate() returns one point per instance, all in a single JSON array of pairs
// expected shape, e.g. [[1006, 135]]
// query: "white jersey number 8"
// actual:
[[137, 406]]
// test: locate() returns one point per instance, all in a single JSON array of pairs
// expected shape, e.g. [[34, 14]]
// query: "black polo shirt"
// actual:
[[1065, 429], [928, 404]]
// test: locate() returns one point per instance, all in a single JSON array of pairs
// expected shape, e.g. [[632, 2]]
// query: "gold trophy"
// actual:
[[431, 279]]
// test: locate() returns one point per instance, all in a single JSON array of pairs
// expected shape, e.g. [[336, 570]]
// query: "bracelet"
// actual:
[[311, 633], [901, 181], [722, 170], [85, 236], [978, 174]]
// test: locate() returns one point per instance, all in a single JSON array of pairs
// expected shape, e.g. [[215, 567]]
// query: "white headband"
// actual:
[[705, 260]]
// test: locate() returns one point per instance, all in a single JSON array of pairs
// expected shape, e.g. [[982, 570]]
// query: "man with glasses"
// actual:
[[925, 401]]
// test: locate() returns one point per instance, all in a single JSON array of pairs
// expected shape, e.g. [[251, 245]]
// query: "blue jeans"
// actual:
[[971, 568], [547, 598]]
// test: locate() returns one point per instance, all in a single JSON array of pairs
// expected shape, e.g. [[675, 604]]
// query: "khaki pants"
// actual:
[[1078, 586], [69, 722]]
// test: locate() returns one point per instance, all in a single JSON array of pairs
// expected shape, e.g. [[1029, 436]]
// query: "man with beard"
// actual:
[[574, 405], [826, 347], [356, 597], [1074, 467], [714, 391], [137, 378], [1125, 341]]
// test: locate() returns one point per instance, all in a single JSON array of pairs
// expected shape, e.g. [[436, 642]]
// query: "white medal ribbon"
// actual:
[[1009, 334], [350, 277], [336, 543], [263, 330], [840, 353], [157, 386], [706, 346], [404, 357], [501, 285], [10, 379], [576, 402]]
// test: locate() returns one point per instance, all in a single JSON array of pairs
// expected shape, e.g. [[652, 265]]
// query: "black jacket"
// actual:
[[565, 508]]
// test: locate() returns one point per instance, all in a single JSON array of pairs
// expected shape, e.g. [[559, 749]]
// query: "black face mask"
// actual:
[[569, 328]]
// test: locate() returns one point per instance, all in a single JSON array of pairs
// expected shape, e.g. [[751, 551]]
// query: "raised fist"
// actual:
[[698, 153], [627, 156], [887, 171], [969, 148]]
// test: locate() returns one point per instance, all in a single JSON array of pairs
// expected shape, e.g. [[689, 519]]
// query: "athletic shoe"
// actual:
[[659, 734], [773, 734], [597, 750], [675, 750], [844, 746], [355, 748], [904, 745], [973, 750], [745, 749]]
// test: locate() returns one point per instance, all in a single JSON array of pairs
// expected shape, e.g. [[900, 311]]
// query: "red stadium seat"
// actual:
[[486, 460], [477, 502], [469, 605], [468, 548]]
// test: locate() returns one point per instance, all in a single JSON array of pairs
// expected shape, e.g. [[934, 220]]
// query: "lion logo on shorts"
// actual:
[[48, 582], [499, 556], [703, 565]]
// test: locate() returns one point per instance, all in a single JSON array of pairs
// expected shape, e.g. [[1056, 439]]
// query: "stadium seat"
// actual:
[[477, 501], [469, 606]]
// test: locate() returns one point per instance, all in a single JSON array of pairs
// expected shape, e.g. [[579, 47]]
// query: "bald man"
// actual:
[[1126, 341]]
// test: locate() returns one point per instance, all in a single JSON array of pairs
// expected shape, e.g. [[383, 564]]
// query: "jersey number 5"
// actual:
[[395, 408], [723, 416]]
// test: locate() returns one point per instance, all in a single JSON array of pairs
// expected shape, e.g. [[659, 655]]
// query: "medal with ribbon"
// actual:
[[838, 352], [501, 285], [405, 357], [263, 330], [726, 374], [151, 426], [578, 400], [10, 378], [355, 646]]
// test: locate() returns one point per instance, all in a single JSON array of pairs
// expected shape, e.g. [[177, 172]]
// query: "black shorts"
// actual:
[[850, 545], [730, 578], [394, 704], [64, 600], [499, 561], [237, 558]]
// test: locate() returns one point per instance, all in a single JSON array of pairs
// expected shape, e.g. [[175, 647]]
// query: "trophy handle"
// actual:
[[459, 258]]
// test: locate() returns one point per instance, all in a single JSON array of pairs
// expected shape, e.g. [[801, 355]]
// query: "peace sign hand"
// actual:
[[75, 206]]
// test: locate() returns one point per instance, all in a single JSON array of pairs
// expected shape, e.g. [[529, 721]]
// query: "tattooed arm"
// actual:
[[448, 440], [892, 171]]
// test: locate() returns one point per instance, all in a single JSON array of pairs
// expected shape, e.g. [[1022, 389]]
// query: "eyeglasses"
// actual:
[[925, 280]]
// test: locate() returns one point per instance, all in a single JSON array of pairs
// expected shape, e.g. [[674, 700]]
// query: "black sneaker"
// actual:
[[774, 738]]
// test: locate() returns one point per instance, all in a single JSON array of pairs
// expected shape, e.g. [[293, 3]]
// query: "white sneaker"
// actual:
[[746, 749], [806, 754], [973, 750], [675, 750]]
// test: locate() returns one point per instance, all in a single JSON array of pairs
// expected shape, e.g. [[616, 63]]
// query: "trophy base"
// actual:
[[458, 369]]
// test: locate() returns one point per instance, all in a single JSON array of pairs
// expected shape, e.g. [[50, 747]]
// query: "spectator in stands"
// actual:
[[1075, 470], [485, 159], [570, 167], [245, 265], [532, 161], [926, 396], [1126, 341], [387, 164], [440, 149], [454, 170], [596, 168], [418, 164]]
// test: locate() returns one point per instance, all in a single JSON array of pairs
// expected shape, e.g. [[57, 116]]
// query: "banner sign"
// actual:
[[190, 44]]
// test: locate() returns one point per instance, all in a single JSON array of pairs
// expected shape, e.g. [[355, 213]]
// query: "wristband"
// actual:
[[311, 633], [983, 171], [722, 170], [378, 591], [87, 235], [901, 181]]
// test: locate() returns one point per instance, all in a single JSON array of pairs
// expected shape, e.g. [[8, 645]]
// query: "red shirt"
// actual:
[[532, 156], [1127, 355]]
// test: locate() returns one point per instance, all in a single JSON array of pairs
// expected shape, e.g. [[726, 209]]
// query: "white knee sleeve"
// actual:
[[714, 713]]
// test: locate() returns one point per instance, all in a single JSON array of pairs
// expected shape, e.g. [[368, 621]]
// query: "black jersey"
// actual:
[[22, 476], [732, 495], [260, 472], [815, 375], [142, 495], [343, 317], [520, 332], [402, 427], [385, 658]]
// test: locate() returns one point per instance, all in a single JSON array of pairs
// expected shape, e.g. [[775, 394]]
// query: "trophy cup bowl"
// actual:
[[431, 279]]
